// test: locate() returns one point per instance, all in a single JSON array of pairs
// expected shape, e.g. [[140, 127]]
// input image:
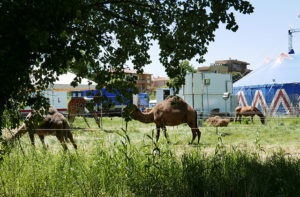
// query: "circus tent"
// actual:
[[274, 87]]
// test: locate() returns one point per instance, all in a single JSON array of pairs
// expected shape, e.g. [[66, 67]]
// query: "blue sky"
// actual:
[[260, 35]]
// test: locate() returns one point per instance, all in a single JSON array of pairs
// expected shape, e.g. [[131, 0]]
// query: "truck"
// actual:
[[141, 100]]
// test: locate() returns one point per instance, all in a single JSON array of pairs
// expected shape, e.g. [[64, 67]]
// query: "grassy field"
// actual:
[[241, 160]]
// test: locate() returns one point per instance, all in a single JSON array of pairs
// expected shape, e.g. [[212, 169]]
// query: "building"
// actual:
[[159, 81], [226, 66], [143, 82]]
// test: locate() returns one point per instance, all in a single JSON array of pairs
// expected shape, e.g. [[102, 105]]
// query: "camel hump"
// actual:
[[52, 110], [238, 108], [173, 97]]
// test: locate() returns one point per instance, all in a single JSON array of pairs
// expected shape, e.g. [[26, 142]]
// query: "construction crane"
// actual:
[[290, 37]]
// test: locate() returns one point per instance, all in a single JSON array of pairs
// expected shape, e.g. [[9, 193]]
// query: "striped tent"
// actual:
[[274, 87]]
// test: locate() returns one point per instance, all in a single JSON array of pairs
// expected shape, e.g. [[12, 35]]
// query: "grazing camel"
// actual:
[[76, 107], [54, 123], [248, 111], [217, 121], [172, 111]]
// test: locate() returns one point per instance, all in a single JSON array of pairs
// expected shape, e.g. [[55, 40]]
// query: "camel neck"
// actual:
[[21, 131], [143, 117]]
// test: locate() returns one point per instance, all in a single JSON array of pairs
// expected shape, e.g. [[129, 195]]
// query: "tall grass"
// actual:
[[148, 169]]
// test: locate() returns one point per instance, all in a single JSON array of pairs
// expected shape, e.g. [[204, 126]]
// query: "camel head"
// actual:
[[262, 119], [128, 111]]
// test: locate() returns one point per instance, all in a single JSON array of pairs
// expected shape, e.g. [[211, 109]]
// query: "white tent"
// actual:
[[64, 81], [285, 69]]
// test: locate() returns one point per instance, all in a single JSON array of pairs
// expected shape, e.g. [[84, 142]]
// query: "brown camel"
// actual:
[[217, 121], [248, 111], [76, 106], [54, 123], [172, 111]]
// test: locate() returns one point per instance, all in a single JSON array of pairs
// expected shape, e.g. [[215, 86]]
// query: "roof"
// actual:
[[203, 68], [64, 81], [231, 61], [160, 79], [129, 71], [284, 69]]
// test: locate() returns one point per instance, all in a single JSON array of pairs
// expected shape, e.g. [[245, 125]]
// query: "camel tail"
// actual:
[[196, 119]]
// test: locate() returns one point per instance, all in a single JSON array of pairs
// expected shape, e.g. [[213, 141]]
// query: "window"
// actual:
[[148, 79], [236, 66]]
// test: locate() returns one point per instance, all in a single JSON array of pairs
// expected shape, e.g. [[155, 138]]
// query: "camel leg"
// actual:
[[166, 135], [195, 131], [62, 141], [199, 134], [42, 138], [61, 137], [157, 133], [71, 118], [252, 119], [70, 136], [86, 121], [240, 118], [31, 136], [94, 114]]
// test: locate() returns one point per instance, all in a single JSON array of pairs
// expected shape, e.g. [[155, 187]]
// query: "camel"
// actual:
[[76, 106], [217, 121], [147, 110], [172, 111], [248, 111], [54, 123]]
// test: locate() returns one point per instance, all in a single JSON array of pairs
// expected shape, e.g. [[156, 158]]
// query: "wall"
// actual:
[[206, 98]]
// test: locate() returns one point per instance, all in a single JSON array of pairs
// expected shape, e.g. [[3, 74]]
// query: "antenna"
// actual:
[[290, 37]]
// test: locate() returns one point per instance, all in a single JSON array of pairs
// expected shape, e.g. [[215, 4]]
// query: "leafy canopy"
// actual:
[[42, 39], [185, 67]]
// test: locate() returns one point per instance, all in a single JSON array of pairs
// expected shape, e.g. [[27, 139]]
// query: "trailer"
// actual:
[[57, 99], [57, 93], [208, 93], [163, 93], [141, 100]]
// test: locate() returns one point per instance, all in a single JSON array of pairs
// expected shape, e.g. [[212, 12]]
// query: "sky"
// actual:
[[262, 34]]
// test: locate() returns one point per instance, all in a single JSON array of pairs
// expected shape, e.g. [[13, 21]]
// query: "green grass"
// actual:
[[243, 160]]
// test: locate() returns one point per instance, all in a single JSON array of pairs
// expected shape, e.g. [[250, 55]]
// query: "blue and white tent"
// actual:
[[274, 87]]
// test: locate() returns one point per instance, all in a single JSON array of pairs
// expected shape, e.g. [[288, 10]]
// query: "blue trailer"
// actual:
[[141, 100]]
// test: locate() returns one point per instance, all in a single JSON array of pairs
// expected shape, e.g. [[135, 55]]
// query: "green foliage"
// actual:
[[177, 81], [236, 76]]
